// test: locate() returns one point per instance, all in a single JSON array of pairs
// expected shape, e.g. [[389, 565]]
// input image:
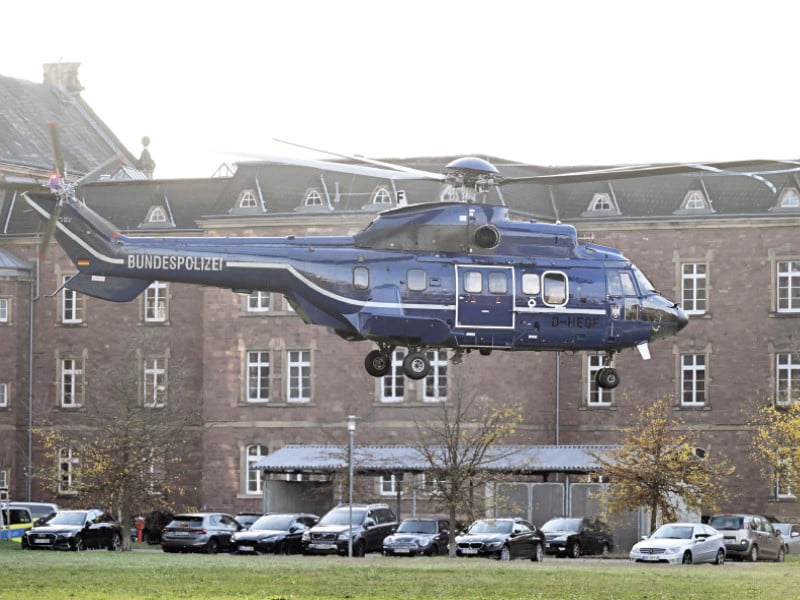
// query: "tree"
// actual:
[[125, 455], [775, 444], [656, 467], [457, 443]]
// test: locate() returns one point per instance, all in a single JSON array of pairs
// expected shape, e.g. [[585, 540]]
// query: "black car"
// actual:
[[504, 539], [75, 530], [574, 536], [371, 524], [418, 536], [279, 533], [206, 532], [247, 519]]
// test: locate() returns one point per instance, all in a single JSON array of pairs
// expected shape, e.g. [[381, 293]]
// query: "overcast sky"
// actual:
[[551, 83]]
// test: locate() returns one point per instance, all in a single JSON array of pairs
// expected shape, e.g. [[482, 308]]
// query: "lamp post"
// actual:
[[351, 430]]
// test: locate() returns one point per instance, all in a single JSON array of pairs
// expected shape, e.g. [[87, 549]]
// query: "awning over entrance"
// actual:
[[519, 459]]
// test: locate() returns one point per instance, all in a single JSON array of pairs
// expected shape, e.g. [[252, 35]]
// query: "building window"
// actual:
[[71, 304], [71, 382], [789, 198], [3, 478], [601, 202], [67, 462], [435, 389], [695, 200], [298, 382], [693, 284], [4, 310], [3, 396], [157, 215], [391, 483], [258, 376], [382, 196], [258, 302], [253, 454], [693, 379], [155, 303], [787, 378], [595, 395], [789, 286], [248, 199], [156, 472], [155, 382], [313, 198], [393, 384]]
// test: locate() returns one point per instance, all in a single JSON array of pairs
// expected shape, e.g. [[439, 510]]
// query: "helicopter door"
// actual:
[[485, 297]]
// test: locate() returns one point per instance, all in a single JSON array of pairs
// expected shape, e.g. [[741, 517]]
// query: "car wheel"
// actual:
[[575, 550], [432, 551], [605, 550], [115, 543], [505, 553], [720, 558], [687, 558], [538, 553], [360, 549], [752, 556], [79, 545], [781, 555], [212, 547]]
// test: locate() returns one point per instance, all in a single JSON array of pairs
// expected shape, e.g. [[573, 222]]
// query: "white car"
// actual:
[[685, 543]]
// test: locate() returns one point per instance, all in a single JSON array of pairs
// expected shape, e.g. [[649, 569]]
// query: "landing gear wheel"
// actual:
[[416, 365], [607, 378], [377, 363]]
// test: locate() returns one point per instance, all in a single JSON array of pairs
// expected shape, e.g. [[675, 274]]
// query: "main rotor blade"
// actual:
[[421, 174], [119, 159], [56, 147], [49, 231]]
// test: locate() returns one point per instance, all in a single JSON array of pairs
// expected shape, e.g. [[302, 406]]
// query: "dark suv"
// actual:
[[574, 536], [207, 532], [371, 524]]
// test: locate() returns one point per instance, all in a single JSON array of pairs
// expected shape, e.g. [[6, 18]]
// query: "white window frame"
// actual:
[[156, 305], [71, 379], [789, 198], [390, 483], [393, 384], [788, 280], [787, 377], [4, 304], [248, 199], [298, 376], [694, 379], [601, 202], [382, 196], [252, 479], [71, 304], [257, 376], [154, 382], [3, 478], [595, 395], [157, 215], [258, 302], [66, 470], [313, 198], [435, 385], [695, 200], [692, 283], [3, 397]]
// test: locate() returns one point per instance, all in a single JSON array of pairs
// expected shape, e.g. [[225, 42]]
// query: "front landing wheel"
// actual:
[[607, 378], [377, 363], [416, 365]]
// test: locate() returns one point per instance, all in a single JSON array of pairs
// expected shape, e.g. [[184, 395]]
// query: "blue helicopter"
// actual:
[[462, 276]]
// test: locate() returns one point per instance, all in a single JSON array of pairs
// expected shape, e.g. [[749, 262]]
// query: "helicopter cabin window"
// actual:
[[417, 280], [555, 288], [382, 196], [360, 278], [473, 282], [498, 283], [313, 198], [530, 284], [248, 199]]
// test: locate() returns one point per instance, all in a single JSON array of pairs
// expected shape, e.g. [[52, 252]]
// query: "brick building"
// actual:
[[726, 247]]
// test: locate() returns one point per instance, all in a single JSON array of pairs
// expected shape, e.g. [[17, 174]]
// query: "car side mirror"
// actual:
[[369, 523], [795, 534]]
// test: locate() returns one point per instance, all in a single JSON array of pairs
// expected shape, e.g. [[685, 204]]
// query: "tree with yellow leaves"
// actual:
[[775, 444], [656, 467]]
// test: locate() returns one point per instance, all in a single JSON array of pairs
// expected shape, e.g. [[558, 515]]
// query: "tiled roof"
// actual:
[[11, 266], [502, 458]]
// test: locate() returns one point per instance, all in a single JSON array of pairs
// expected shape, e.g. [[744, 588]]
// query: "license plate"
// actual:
[[469, 551], [402, 551], [40, 541], [246, 548], [180, 533], [323, 546]]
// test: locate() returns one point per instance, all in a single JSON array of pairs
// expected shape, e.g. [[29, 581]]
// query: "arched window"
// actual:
[[313, 198], [381, 196], [248, 199]]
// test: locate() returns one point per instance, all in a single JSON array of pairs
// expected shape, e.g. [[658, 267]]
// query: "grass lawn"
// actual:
[[149, 573]]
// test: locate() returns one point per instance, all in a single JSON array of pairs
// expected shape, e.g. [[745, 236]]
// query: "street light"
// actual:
[[351, 429]]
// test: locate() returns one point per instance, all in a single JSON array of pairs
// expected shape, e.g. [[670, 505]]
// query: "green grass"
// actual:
[[149, 573]]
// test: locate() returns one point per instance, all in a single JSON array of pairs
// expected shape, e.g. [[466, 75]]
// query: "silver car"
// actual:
[[790, 532], [681, 543], [750, 537]]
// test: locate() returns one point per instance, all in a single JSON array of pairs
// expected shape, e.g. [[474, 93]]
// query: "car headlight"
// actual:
[[673, 550], [306, 535], [269, 538], [424, 542], [344, 535], [494, 545], [388, 540]]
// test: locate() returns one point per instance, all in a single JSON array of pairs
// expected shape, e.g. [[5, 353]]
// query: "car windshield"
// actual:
[[727, 523], [673, 532], [342, 517], [68, 518], [491, 526], [417, 526], [562, 525], [279, 522]]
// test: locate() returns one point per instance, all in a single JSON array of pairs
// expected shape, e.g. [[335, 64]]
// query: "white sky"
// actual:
[[551, 83]]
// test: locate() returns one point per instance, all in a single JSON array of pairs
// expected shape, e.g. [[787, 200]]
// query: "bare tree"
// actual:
[[456, 439], [126, 453]]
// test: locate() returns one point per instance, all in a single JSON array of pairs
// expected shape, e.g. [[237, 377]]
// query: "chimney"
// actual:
[[64, 76]]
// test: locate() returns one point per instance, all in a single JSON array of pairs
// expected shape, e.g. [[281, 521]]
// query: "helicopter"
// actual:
[[460, 275]]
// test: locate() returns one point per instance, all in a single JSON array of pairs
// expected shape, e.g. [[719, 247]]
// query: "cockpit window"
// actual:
[[644, 283]]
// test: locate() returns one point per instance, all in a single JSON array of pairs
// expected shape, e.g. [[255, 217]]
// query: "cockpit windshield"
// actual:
[[645, 287]]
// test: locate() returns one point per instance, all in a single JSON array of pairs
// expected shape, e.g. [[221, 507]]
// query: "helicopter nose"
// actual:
[[682, 317]]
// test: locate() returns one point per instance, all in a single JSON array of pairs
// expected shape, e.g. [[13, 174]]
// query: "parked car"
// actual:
[[246, 519], [790, 532], [681, 543], [574, 536], [75, 530], [14, 521], [154, 523], [40, 511], [504, 539], [371, 524], [207, 532], [277, 533], [749, 537], [418, 536]]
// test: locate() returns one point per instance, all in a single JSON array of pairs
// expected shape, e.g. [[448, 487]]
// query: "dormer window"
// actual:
[[381, 196], [694, 200], [247, 199], [313, 198], [601, 202], [789, 198], [157, 215]]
